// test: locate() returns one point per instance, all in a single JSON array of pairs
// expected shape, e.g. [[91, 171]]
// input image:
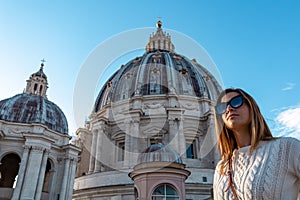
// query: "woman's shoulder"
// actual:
[[287, 143], [279, 140], [289, 140], [279, 143]]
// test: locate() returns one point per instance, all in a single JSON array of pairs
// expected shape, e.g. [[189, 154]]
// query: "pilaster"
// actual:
[[99, 143], [93, 152], [177, 139], [42, 175], [134, 130], [32, 172], [65, 179], [71, 179], [128, 146]]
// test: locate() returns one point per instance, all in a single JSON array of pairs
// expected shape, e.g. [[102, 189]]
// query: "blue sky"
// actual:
[[254, 44]]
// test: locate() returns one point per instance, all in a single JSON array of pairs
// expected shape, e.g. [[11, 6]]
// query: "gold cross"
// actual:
[[42, 64]]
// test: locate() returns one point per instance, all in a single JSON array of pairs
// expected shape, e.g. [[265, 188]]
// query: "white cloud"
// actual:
[[287, 122], [289, 86]]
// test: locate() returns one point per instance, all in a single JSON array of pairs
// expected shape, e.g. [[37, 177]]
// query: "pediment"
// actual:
[[154, 131]]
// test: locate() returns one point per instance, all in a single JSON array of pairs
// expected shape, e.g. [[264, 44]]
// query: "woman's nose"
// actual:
[[228, 108]]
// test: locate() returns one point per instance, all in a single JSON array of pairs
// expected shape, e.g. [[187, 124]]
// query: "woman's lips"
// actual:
[[232, 115]]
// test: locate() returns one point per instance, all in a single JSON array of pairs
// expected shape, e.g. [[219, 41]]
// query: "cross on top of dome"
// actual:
[[37, 83], [42, 64], [160, 41]]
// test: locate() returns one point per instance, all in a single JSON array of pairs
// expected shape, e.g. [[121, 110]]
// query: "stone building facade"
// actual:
[[160, 97]]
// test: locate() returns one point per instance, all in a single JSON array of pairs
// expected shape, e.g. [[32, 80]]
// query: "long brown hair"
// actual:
[[258, 128]]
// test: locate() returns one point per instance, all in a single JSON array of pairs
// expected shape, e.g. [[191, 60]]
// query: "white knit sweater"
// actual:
[[271, 172]]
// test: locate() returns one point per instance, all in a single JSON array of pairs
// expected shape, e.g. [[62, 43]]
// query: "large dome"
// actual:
[[28, 109], [160, 71]]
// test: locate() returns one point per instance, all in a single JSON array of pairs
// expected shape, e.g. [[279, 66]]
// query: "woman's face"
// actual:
[[235, 118]]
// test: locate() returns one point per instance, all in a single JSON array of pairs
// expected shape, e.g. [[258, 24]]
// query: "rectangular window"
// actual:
[[191, 150], [121, 151]]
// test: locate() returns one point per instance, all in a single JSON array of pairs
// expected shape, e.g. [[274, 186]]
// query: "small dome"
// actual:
[[159, 153], [40, 73], [26, 108]]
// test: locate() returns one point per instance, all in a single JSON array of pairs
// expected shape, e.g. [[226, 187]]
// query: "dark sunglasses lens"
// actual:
[[221, 108], [236, 102]]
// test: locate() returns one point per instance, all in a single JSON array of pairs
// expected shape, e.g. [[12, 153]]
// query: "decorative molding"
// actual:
[[154, 105], [154, 131], [190, 106], [2, 134], [26, 147], [69, 157], [128, 75], [14, 131], [37, 148]]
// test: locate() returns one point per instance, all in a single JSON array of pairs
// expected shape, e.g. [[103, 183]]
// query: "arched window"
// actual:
[[41, 89], [165, 191], [9, 170], [35, 88], [48, 177]]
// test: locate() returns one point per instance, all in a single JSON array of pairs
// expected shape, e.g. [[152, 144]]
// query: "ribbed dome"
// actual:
[[159, 153], [160, 71], [26, 108], [156, 73]]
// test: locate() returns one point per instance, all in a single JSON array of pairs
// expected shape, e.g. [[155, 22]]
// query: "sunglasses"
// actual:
[[235, 102]]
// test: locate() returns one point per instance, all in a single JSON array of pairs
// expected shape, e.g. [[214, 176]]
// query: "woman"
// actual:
[[254, 164]]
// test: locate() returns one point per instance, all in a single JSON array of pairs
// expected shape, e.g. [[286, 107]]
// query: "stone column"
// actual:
[[42, 175], [176, 137], [173, 130], [71, 181], [100, 135], [62, 195], [93, 151], [181, 139], [177, 140], [32, 173], [134, 131], [128, 146], [97, 151], [21, 173]]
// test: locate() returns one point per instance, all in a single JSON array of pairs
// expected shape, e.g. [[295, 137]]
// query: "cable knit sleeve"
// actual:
[[295, 156], [218, 184]]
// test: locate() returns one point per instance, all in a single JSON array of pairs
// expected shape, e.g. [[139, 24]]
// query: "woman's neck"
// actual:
[[242, 138]]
